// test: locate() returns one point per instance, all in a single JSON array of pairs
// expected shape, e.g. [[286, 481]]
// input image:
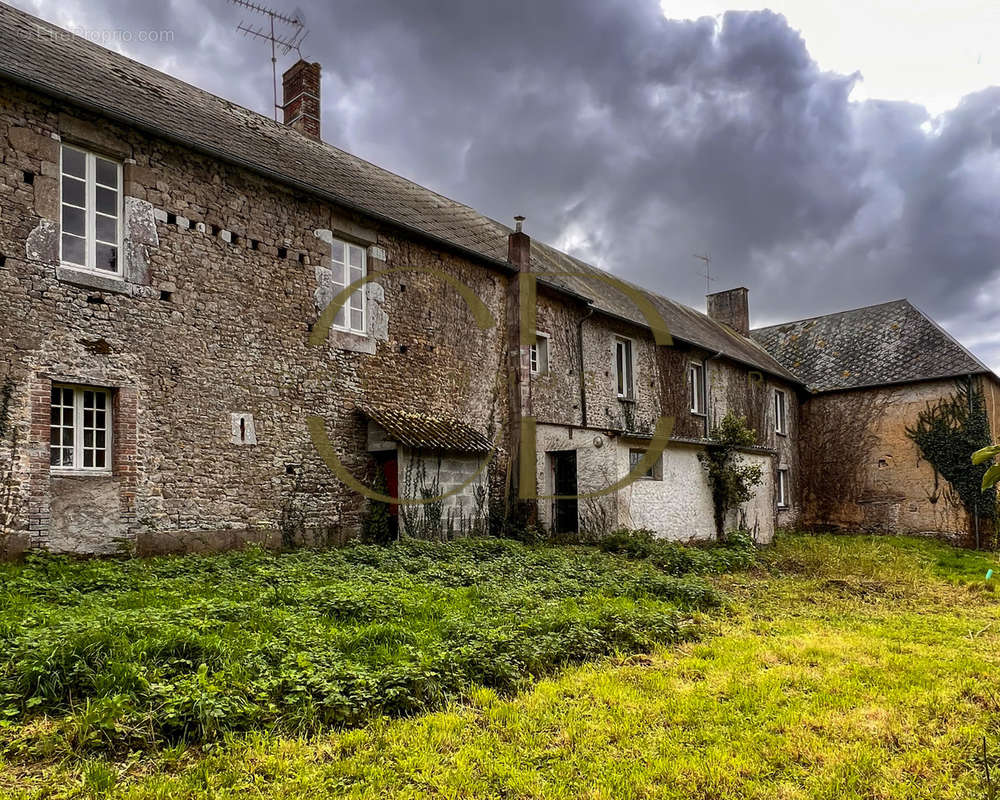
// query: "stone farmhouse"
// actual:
[[221, 329]]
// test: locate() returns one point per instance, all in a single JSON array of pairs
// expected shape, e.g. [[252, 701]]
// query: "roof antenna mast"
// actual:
[[284, 42], [709, 280]]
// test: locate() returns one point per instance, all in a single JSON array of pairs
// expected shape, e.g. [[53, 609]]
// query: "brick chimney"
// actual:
[[732, 308], [301, 97]]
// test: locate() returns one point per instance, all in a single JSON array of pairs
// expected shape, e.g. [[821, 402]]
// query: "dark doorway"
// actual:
[[564, 517], [389, 463]]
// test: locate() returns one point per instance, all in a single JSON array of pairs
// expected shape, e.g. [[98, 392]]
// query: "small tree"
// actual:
[[731, 480]]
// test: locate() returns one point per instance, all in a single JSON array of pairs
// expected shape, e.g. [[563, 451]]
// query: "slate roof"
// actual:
[[882, 344], [47, 59], [427, 432]]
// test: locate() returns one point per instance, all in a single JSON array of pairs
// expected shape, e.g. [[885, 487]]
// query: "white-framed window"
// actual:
[[624, 370], [780, 412], [80, 429], [783, 495], [90, 205], [654, 473], [696, 387], [539, 355], [349, 264]]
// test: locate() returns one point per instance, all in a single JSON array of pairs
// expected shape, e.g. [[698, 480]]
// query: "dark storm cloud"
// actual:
[[635, 141]]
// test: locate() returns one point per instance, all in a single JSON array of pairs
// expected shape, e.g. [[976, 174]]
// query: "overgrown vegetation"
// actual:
[[842, 432], [947, 433], [848, 667], [145, 654], [730, 478]]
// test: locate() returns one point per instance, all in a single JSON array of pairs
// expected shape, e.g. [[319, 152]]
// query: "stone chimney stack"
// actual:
[[732, 308], [301, 97], [519, 247]]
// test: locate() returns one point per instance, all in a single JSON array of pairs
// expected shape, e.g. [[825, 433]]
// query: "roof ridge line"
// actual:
[[831, 314]]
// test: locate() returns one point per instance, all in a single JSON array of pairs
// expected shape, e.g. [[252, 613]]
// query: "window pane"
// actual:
[[357, 257], [55, 457], [100, 420], [88, 439], [107, 229], [340, 317], [356, 275], [107, 201], [74, 220], [74, 250], [74, 191], [107, 173], [100, 460], [338, 275], [107, 257], [356, 301], [357, 321], [88, 458], [67, 458], [74, 162], [337, 252], [102, 399], [88, 418], [102, 437]]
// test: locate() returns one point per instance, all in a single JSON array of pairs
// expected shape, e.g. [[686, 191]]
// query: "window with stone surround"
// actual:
[[539, 354], [780, 415], [90, 211], [80, 429], [783, 488], [624, 372], [348, 263], [696, 387]]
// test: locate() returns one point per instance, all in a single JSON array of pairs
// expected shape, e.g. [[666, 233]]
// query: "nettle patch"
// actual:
[[141, 654]]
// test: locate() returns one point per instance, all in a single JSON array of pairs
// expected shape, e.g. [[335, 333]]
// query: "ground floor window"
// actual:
[[654, 473], [783, 488], [80, 429]]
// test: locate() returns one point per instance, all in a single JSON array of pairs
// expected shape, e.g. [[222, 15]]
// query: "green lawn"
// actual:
[[839, 667]]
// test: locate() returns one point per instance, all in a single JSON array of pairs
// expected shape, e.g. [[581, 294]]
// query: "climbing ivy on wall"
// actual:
[[730, 478], [947, 432]]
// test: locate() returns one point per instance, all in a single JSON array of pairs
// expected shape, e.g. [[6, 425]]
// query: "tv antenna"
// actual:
[[285, 42], [709, 280]]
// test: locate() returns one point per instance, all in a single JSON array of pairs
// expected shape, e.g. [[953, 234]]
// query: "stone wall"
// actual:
[[876, 478]]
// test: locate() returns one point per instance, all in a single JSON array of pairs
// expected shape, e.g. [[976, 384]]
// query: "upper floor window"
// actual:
[[539, 355], [696, 387], [349, 265], [80, 429], [90, 207], [624, 373], [780, 414], [783, 498]]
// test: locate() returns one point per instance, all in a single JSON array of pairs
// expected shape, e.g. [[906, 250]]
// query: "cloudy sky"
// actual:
[[826, 153]]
